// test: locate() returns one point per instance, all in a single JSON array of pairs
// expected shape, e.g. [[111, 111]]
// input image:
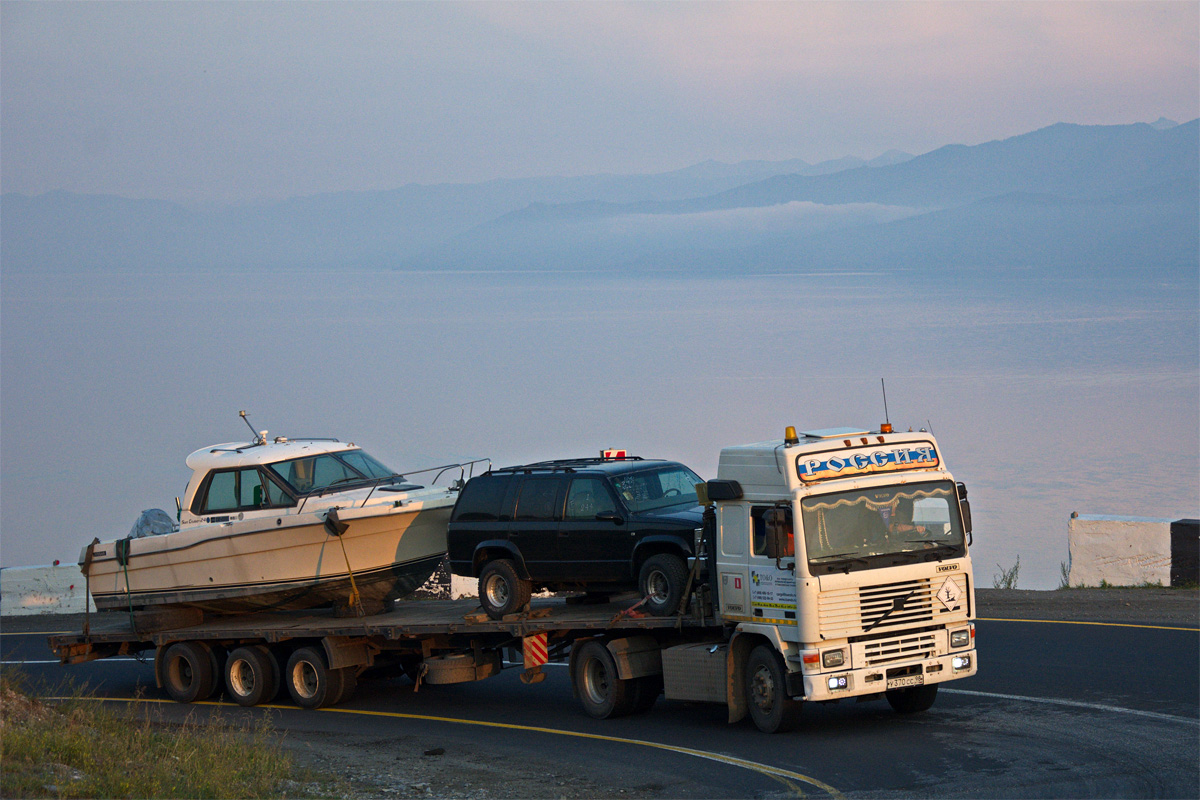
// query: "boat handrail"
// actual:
[[463, 477]]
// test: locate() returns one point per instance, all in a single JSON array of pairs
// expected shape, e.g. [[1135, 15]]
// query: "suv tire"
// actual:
[[661, 581], [501, 590]]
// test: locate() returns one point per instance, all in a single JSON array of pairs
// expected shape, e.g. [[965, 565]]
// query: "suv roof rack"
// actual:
[[568, 463]]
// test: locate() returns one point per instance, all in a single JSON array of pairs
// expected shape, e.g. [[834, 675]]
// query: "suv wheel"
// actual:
[[661, 581], [501, 590]]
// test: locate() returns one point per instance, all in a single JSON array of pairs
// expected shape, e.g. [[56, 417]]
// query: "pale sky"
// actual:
[[232, 102]]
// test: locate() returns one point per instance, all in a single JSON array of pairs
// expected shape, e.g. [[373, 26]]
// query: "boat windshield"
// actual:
[[882, 527], [650, 489], [320, 472]]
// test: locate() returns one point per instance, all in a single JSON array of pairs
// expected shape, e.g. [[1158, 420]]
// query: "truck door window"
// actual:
[[758, 538], [733, 530], [536, 501], [587, 498]]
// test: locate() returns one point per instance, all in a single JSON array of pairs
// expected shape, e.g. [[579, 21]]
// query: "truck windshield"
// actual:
[[882, 527], [315, 473], [650, 489]]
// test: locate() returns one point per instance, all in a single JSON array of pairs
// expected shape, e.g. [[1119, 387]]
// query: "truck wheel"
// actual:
[[188, 672], [310, 682], [349, 684], [501, 591], [602, 693], [250, 677], [911, 701], [661, 580], [766, 694], [645, 692]]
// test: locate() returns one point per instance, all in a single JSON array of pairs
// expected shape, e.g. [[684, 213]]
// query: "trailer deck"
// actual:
[[407, 621]]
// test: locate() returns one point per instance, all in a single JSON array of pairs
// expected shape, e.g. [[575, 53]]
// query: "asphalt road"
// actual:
[[1057, 710]]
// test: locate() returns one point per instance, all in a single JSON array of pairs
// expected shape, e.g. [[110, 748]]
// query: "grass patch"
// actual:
[[82, 748], [1007, 579]]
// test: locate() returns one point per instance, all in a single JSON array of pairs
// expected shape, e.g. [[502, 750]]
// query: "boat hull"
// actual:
[[277, 562]]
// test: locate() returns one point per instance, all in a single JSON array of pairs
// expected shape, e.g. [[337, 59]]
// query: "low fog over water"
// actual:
[[1047, 396]]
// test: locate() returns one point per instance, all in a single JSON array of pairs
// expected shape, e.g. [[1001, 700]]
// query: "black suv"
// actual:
[[596, 525]]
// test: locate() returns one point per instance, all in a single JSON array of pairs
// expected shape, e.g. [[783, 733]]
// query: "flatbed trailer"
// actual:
[[317, 656]]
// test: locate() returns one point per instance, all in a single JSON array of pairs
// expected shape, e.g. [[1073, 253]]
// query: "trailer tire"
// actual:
[[309, 680], [766, 692], [349, 679], [187, 672], [601, 692], [216, 656], [661, 581], [250, 676], [501, 590], [912, 700]]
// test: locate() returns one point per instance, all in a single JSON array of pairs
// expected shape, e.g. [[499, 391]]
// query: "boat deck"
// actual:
[[412, 619]]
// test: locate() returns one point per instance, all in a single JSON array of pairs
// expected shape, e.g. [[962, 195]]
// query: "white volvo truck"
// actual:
[[839, 567], [831, 564]]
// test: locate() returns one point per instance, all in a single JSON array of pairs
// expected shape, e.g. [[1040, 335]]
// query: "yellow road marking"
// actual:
[[786, 777], [1101, 624]]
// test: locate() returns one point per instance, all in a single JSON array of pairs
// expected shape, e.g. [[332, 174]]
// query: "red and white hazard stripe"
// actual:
[[535, 650]]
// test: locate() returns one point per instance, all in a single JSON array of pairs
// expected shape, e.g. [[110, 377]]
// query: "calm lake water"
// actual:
[[1047, 396]]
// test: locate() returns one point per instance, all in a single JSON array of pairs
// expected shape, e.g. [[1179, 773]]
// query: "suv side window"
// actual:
[[482, 499], [587, 498], [537, 500]]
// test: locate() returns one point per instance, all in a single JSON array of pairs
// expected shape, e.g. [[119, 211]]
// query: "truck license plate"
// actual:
[[907, 680]]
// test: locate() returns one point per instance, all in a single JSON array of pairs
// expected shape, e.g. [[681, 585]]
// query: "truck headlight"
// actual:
[[833, 658], [960, 638]]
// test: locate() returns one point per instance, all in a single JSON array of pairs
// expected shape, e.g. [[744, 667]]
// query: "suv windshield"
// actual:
[[650, 489], [315, 473], [848, 530]]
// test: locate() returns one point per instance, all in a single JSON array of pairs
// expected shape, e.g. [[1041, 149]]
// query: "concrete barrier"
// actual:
[[43, 590], [1131, 551]]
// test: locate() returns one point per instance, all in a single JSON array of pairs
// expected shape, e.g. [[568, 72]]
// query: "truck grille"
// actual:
[[922, 645], [874, 610], [895, 604]]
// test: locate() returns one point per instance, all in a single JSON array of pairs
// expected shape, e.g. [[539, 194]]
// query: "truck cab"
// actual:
[[846, 550]]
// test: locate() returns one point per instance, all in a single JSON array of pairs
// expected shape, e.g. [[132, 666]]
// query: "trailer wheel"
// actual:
[[661, 580], [310, 682], [913, 700], [602, 693], [501, 590], [250, 677], [216, 656], [187, 672], [766, 693], [349, 684]]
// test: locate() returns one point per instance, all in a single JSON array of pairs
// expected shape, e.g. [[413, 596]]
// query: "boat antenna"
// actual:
[[259, 438], [885, 411]]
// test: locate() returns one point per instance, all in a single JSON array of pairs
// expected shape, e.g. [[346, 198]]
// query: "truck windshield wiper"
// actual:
[[839, 557]]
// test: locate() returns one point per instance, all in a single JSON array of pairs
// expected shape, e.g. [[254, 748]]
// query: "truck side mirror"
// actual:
[[964, 506], [780, 538]]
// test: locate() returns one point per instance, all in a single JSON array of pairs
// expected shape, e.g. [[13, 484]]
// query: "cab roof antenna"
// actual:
[[886, 427]]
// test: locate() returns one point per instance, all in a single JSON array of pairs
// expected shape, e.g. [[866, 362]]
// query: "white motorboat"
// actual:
[[282, 524]]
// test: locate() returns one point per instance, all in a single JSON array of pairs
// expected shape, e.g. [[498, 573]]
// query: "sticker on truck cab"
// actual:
[[842, 463]]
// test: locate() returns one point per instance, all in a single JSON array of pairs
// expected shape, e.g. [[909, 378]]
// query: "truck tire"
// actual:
[[661, 580], [912, 700], [309, 680], [766, 693], [216, 656], [645, 693], [250, 676], [501, 590], [349, 682], [187, 672], [601, 692]]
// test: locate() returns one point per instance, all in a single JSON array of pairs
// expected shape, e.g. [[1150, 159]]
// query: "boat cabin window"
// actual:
[[242, 490], [313, 473]]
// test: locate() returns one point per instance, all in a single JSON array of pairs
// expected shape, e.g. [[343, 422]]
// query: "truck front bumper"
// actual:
[[873, 680]]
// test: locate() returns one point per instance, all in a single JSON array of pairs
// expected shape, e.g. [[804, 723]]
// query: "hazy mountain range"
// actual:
[[1089, 199]]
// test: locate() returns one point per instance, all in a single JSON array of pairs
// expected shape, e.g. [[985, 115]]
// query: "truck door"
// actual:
[[732, 540], [772, 588], [597, 549]]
